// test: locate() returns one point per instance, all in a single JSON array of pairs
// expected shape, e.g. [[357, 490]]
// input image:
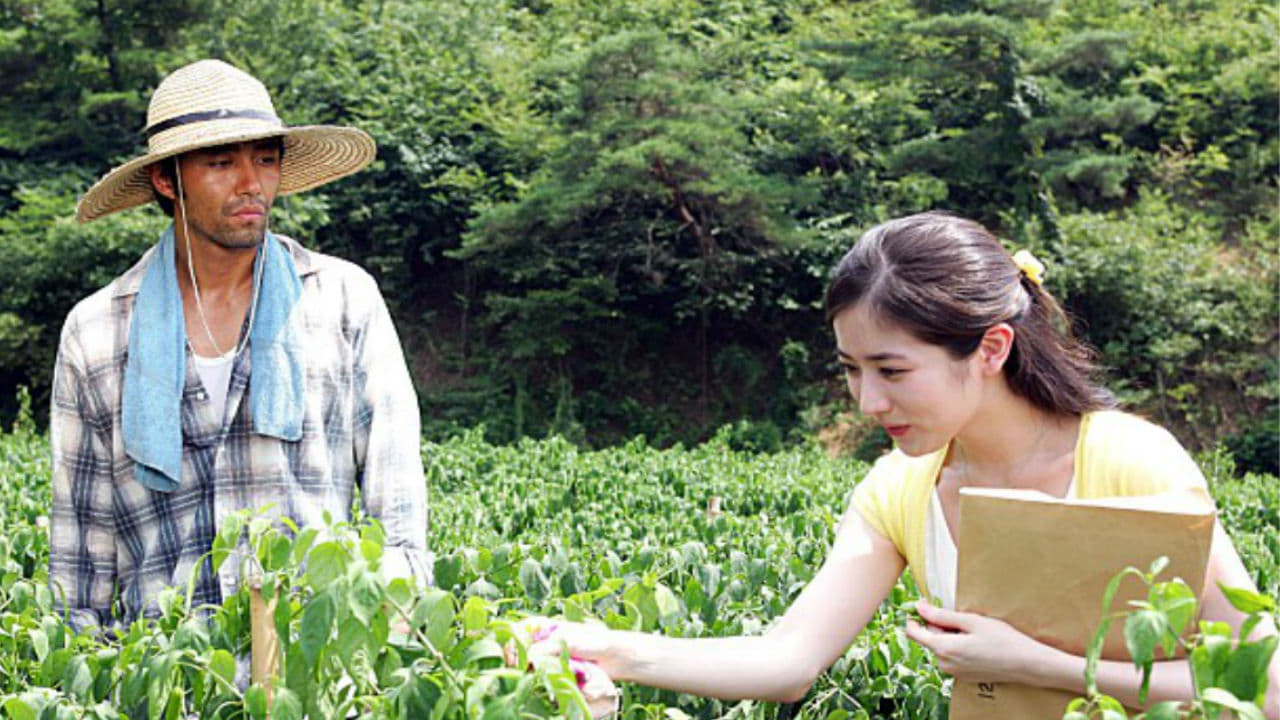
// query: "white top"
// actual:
[[215, 375], [940, 554]]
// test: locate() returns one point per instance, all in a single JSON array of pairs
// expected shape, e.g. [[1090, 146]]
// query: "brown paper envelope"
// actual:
[[1042, 565]]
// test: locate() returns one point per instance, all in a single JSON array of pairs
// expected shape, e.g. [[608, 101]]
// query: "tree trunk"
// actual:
[[108, 46]]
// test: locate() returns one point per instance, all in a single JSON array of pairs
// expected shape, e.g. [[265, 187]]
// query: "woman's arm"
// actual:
[[1226, 567], [1172, 680], [779, 665], [981, 649]]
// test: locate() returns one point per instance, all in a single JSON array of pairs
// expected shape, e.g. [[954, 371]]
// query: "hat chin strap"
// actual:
[[195, 286]]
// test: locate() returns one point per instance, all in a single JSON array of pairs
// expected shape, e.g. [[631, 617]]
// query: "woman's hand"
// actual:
[[548, 639], [976, 648]]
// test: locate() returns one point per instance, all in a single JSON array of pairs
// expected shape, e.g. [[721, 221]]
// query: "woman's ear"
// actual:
[[993, 351]]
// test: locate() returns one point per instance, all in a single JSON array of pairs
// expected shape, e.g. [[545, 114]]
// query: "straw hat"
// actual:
[[211, 103]]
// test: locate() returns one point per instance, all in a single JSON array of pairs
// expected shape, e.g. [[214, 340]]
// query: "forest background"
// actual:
[[609, 218]]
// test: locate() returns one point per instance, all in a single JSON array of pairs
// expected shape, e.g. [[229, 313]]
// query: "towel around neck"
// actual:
[[155, 371]]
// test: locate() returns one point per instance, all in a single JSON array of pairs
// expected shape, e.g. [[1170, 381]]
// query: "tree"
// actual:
[[648, 210]]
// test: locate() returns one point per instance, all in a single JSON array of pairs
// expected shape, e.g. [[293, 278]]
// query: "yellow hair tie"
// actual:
[[1030, 266]]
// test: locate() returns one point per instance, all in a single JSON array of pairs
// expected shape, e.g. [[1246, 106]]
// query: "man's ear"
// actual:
[[993, 351], [161, 180]]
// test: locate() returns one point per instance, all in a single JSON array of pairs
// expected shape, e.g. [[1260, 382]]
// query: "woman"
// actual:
[[964, 359]]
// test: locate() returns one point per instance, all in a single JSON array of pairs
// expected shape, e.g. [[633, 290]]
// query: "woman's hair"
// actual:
[[947, 280]]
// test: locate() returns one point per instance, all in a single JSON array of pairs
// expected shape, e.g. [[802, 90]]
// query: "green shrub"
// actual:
[[1185, 325]]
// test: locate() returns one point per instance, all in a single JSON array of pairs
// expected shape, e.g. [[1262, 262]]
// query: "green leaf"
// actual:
[[640, 598], [274, 552], [534, 581], [400, 591], [298, 674], [223, 664], [475, 614], [302, 543], [1110, 704], [370, 550], [317, 624], [352, 635], [77, 680], [40, 644], [326, 563], [485, 589], [1243, 710], [1143, 631], [255, 702], [1209, 659], [19, 709], [230, 531], [1178, 603], [485, 648], [1094, 651], [173, 708], [668, 606], [1164, 711], [364, 596], [435, 611], [1246, 673], [285, 705], [419, 696], [447, 570], [1247, 601], [576, 608]]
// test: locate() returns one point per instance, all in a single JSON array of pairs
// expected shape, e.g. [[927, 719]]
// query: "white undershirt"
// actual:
[[940, 555], [215, 375]]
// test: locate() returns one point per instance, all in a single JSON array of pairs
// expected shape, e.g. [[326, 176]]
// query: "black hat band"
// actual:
[[222, 114]]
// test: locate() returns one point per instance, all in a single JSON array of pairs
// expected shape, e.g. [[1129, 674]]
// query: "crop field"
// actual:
[[622, 534]]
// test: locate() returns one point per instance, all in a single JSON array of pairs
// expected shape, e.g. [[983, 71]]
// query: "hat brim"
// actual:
[[314, 155]]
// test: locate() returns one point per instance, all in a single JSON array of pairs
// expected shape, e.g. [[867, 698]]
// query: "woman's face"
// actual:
[[916, 391]]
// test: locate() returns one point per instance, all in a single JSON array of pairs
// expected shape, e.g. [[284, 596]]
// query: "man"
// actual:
[[229, 369]]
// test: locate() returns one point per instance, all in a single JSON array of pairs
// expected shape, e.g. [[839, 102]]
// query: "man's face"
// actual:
[[228, 191]]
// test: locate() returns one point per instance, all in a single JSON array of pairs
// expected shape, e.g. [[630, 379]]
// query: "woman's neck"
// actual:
[[1012, 443]]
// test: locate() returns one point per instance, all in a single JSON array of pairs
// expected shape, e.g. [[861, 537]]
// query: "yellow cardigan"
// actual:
[[1117, 455]]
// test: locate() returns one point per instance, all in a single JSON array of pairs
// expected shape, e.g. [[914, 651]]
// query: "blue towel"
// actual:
[[155, 372]]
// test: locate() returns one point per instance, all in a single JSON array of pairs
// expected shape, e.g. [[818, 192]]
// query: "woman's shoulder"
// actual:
[[894, 494], [897, 480], [1125, 454], [1126, 432]]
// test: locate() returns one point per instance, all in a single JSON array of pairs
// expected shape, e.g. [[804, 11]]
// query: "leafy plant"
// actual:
[[546, 527], [1230, 672]]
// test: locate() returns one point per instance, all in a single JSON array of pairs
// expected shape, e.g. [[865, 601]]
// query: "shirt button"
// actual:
[[201, 395]]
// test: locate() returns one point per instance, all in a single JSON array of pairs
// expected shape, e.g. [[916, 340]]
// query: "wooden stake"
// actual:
[[713, 507], [264, 663]]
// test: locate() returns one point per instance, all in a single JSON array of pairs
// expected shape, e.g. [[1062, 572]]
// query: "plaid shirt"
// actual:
[[115, 544]]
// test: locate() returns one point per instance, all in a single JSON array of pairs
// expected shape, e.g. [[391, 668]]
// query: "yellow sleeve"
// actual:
[[894, 497], [1125, 455], [878, 498]]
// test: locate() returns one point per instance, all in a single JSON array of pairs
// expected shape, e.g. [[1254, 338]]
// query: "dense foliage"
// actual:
[[615, 217], [536, 527], [1228, 669]]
